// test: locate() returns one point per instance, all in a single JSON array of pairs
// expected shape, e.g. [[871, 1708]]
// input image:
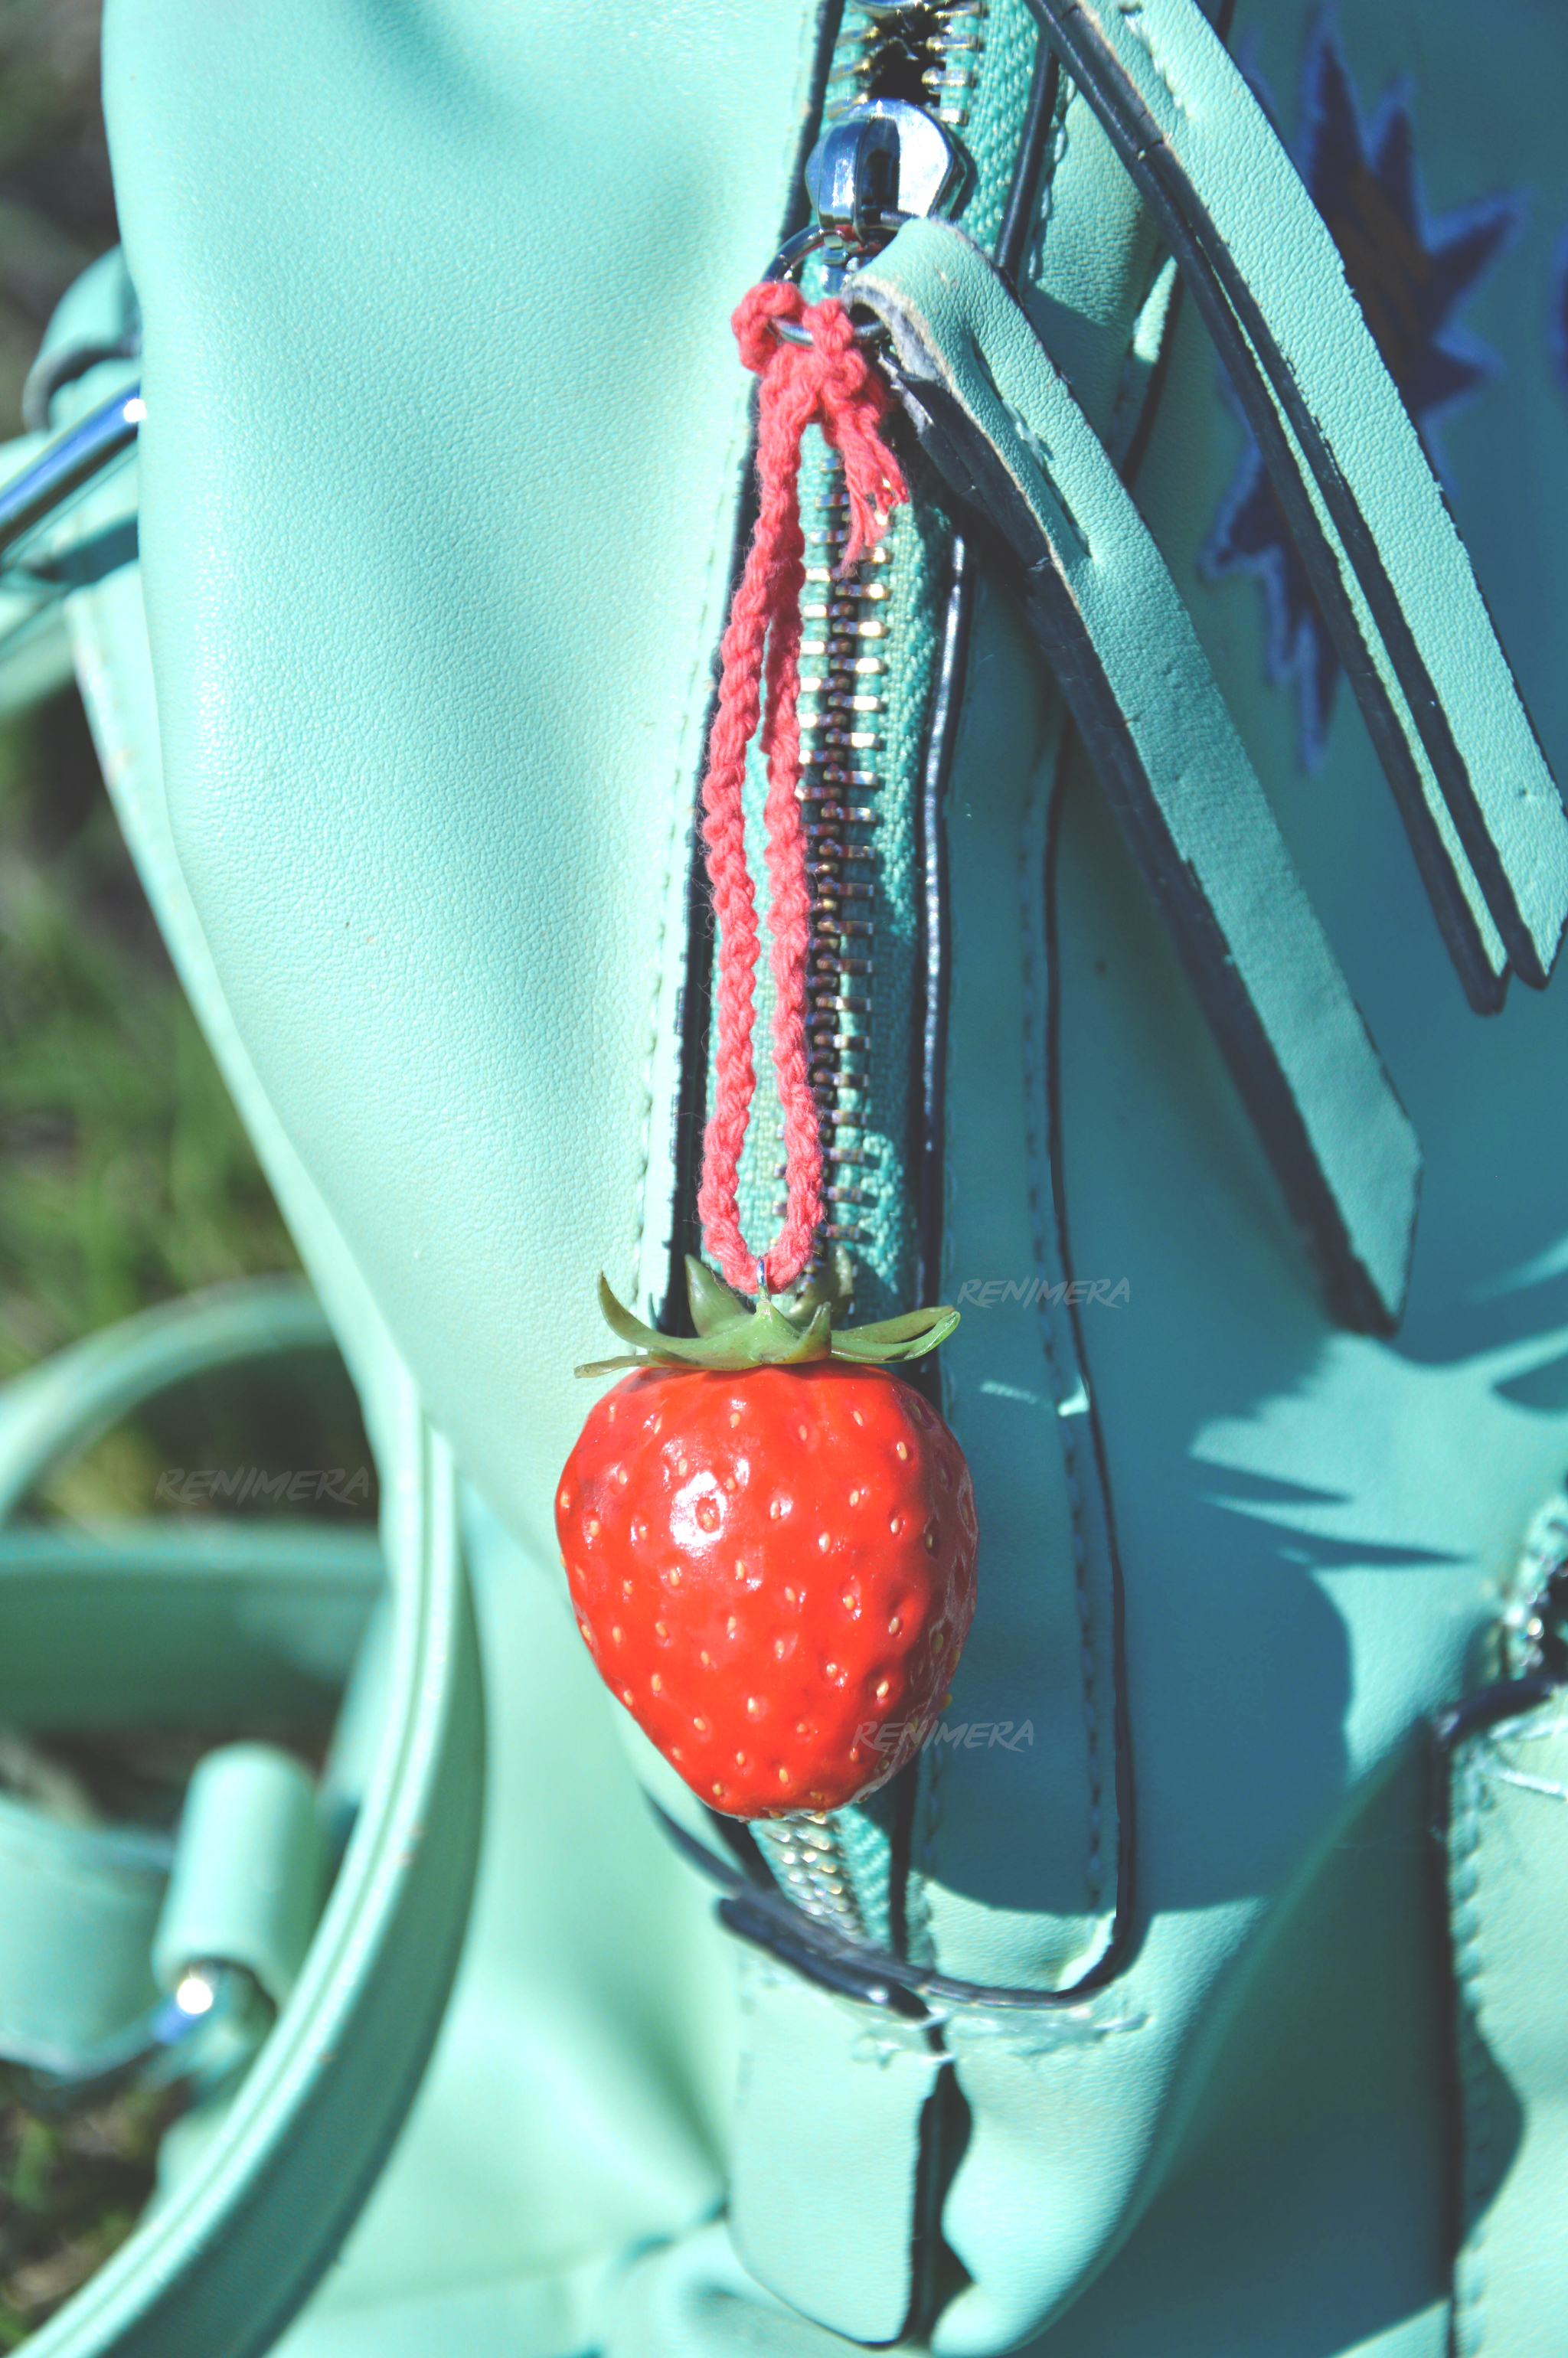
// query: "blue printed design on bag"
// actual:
[[1411, 274]]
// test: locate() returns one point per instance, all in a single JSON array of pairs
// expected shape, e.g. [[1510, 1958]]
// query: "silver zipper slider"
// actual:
[[853, 178], [880, 163]]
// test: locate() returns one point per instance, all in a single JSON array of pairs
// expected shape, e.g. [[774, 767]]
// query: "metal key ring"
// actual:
[[791, 259]]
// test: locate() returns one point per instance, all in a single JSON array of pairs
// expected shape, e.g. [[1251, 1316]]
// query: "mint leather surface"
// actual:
[[823, 2087], [1509, 1853], [428, 626], [578, 2162]]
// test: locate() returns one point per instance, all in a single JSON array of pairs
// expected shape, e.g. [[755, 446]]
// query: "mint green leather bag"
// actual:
[[1199, 1991]]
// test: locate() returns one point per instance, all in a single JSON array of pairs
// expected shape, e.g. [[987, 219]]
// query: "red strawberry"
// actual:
[[773, 1565]]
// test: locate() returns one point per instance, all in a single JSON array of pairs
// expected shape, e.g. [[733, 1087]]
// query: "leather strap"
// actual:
[[79, 1906], [1000, 425], [207, 1623], [1485, 819], [65, 1401]]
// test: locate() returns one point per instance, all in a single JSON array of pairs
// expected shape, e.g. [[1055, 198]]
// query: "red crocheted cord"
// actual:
[[827, 383]]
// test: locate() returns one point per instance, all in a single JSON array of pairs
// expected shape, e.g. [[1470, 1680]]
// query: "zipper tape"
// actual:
[[1006, 434], [1483, 814]]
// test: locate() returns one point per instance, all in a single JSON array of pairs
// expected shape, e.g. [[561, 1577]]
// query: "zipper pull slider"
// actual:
[[883, 162]]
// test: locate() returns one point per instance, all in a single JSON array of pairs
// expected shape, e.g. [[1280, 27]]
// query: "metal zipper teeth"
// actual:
[[804, 1852], [842, 739], [953, 43]]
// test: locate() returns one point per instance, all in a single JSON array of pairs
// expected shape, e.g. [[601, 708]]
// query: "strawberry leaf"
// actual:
[[732, 1337], [713, 1306], [890, 1339]]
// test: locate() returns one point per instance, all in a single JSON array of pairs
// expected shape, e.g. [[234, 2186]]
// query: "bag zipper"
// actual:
[[871, 663], [929, 57]]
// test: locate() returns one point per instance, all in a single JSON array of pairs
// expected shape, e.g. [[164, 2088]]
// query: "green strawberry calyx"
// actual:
[[781, 1331]]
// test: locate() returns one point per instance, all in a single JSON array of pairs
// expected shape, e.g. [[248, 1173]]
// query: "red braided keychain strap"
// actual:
[[827, 383]]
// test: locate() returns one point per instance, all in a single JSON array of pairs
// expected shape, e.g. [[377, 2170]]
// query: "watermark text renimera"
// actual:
[[991, 1293]]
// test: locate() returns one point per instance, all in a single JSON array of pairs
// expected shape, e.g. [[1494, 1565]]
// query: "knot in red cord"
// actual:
[[752, 321], [827, 383]]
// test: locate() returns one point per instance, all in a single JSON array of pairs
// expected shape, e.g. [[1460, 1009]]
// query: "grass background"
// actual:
[[126, 1178]]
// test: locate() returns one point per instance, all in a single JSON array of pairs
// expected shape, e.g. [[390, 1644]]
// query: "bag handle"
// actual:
[[228, 2254]]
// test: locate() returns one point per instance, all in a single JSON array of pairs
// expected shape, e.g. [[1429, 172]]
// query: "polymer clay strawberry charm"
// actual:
[[771, 1541], [770, 1538]]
